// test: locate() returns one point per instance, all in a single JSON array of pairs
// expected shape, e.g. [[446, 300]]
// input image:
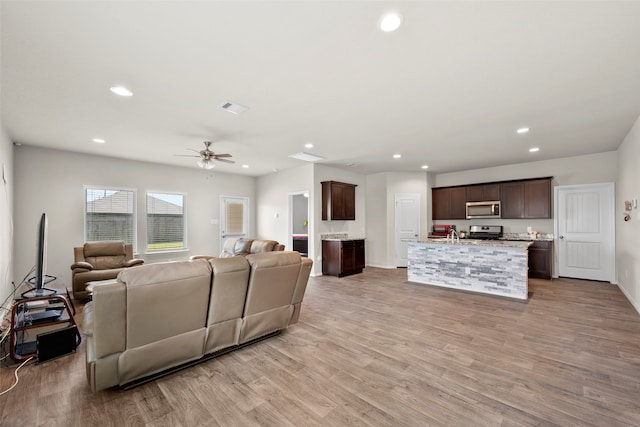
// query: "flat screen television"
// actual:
[[40, 279]]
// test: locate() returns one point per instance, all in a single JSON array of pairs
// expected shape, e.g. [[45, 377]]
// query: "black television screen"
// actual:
[[40, 278]]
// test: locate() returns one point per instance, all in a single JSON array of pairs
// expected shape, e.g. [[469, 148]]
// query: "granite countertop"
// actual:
[[478, 242]]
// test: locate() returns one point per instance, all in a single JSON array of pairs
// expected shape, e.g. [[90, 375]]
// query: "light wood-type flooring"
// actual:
[[374, 350]]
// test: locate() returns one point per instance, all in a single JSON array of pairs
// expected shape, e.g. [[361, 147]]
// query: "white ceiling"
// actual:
[[448, 89]]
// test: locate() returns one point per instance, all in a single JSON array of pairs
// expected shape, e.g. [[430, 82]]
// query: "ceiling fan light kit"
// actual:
[[206, 164], [207, 157]]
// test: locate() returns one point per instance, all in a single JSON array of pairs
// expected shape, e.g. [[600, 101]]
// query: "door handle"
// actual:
[[561, 237]]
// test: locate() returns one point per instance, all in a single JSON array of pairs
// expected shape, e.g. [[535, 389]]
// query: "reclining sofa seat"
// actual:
[[163, 315], [99, 261], [242, 246]]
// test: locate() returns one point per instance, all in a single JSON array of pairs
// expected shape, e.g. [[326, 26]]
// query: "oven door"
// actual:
[[483, 210]]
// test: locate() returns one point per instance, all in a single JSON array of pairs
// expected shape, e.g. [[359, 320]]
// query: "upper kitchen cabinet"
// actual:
[[527, 199], [483, 192], [338, 201], [449, 203]]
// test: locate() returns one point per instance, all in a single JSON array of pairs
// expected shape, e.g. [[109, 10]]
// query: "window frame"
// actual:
[[185, 245]]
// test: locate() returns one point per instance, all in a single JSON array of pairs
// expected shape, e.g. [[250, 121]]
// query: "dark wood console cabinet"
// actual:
[[338, 201], [342, 257], [540, 260]]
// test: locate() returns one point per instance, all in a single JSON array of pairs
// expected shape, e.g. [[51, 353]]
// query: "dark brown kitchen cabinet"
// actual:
[[338, 201], [537, 198], [512, 196], [526, 199], [483, 192], [449, 203], [342, 257], [540, 260]]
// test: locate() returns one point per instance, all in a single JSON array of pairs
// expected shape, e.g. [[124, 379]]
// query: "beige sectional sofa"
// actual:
[[160, 316]]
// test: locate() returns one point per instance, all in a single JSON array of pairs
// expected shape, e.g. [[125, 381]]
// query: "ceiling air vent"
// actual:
[[306, 157], [233, 107]]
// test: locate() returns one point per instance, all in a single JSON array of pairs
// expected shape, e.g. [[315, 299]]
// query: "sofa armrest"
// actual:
[[87, 319], [134, 262], [109, 312], [81, 265], [303, 279]]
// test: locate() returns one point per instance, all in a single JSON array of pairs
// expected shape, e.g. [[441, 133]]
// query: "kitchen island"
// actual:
[[487, 266]]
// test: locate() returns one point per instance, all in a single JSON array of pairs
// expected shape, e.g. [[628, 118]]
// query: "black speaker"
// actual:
[[51, 345]]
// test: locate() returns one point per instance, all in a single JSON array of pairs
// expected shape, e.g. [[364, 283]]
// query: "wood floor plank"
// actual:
[[374, 350]]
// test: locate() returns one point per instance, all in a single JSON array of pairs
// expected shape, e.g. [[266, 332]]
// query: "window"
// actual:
[[234, 221], [165, 222], [110, 215]]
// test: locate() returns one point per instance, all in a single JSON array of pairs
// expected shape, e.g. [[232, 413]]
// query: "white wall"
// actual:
[[376, 206], [272, 201], [587, 169], [300, 213], [52, 181], [6, 213], [628, 232]]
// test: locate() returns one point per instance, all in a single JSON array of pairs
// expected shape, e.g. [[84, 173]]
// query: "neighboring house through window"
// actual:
[[110, 215], [165, 222]]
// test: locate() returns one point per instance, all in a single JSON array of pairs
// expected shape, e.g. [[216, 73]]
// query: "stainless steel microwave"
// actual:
[[483, 209]]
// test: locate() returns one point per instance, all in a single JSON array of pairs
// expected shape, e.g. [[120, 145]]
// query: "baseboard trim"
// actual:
[[626, 294]]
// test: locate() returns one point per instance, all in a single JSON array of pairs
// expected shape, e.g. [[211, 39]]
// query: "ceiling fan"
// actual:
[[207, 156]]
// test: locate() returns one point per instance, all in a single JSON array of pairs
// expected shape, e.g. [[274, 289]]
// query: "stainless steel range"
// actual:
[[485, 232]]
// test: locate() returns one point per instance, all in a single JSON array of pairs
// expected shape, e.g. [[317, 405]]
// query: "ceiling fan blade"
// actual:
[[223, 160], [223, 155], [185, 155]]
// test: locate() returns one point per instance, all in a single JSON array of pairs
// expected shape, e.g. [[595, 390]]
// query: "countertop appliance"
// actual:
[[442, 230], [485, 232], [489, 209]]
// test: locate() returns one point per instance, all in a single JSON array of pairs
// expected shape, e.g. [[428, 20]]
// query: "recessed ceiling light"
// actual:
[[309, 145], [245, 166], [390, 22], [98, 140], [534, 149], [397, 156], [121, 90], [523, 130], [425, 167]]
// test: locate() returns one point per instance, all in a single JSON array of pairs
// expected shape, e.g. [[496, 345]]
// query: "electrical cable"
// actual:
[[15, 373]]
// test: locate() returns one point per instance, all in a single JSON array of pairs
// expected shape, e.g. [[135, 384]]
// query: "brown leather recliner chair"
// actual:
[[99, 261]]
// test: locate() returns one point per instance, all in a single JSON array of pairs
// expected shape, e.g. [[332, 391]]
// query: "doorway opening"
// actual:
[[299, 224]]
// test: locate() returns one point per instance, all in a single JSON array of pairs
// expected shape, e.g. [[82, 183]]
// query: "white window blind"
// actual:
[[235, 218], [110, 215], [165, 222]]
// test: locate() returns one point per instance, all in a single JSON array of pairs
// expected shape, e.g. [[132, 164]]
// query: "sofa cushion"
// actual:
[[272, 280], [105, 248], [242, 246], [259, 246]]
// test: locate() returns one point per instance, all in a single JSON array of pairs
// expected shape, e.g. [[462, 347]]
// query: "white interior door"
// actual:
[[234, 218], [585, 231], [407, 224]]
